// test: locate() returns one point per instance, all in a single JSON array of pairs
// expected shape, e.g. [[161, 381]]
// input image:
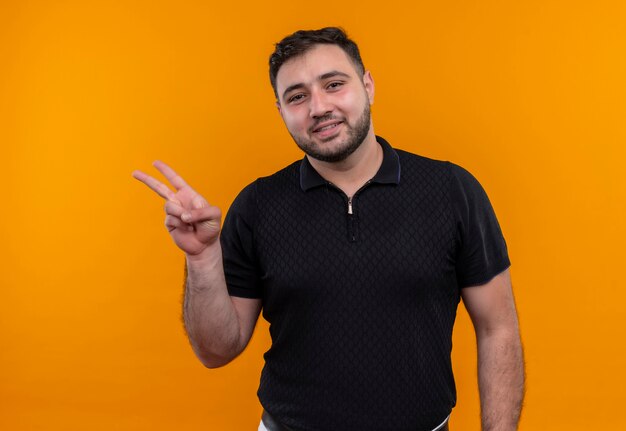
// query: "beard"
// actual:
[[356, 136]]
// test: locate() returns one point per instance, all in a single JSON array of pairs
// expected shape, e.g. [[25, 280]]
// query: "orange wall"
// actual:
[[529, 96]]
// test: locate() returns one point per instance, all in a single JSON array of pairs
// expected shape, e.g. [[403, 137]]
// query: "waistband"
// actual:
[[273, 425]]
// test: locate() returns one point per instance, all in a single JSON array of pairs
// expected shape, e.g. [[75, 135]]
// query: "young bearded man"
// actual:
[[358, 256]]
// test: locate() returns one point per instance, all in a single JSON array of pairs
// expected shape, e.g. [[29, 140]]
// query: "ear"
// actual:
[[280, 111], [368, 83]]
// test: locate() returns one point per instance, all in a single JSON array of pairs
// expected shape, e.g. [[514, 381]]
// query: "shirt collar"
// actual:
[[388, 173]]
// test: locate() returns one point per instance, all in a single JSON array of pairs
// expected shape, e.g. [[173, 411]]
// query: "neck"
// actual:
[[357, 169]]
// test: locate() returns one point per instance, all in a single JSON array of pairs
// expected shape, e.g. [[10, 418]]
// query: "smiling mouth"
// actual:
[[327, 127]]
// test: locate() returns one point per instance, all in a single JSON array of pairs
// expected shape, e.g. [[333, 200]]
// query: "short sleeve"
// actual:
[[237, 240], [481, 248]]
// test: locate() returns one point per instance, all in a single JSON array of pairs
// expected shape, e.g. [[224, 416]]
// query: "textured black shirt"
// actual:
[[361, 295]]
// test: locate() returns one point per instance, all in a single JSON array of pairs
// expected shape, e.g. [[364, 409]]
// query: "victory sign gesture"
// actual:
[[219, 327], [193, 224]]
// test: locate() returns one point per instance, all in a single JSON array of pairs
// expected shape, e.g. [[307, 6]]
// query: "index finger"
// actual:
[[169, 173], [160, 188]]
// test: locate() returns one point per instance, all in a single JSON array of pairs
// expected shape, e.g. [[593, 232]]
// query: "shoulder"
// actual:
[[445, 179], [276, 182], [443, 167], [465, 187], [462, 175], [267, 186], [286, 173], [426, 171]]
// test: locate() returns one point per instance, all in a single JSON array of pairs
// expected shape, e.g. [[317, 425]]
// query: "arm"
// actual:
[[219, 327], [500, 357]]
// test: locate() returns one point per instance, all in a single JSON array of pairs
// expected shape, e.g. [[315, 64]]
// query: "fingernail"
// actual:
[[186, 217]]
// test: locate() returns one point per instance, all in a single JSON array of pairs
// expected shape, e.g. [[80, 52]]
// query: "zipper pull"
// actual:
[[350, 205]]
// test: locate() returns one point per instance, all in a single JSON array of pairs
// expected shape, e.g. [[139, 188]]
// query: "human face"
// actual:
[[325, 103]]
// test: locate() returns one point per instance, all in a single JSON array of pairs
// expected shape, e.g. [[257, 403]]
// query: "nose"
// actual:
[[319, 104]]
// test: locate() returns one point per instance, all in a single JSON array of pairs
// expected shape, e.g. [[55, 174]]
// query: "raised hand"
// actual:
[[193, 224]]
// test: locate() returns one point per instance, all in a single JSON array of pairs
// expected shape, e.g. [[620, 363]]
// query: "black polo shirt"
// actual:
[[361, 294]]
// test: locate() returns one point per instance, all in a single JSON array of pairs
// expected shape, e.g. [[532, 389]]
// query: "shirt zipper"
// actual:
[[352, 228], [352, 223]]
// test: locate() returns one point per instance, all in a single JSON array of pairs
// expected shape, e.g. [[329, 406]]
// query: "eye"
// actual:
[[296, 98], [335, 85]]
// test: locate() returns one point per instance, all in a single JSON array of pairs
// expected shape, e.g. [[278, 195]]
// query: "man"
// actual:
[[358, 256]]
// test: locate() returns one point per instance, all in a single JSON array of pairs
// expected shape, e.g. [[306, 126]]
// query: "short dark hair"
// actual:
[[302, 41]]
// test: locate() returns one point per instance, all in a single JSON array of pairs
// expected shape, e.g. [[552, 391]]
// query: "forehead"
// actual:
[[312, 64]]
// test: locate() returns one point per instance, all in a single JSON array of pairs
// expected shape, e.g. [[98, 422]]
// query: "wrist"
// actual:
[[211, 255], [204, 271]]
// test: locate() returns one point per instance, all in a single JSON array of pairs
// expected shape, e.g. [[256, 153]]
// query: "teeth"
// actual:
[[328, 127]]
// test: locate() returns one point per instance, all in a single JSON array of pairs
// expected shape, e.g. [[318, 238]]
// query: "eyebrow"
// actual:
[[322, 77]]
